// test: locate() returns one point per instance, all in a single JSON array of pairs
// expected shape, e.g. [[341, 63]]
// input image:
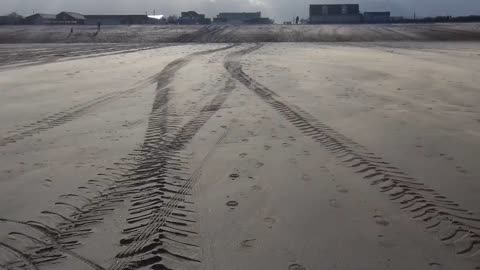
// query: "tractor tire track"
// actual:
[[28, 262], [204, 34], [60, 118], [79, 110], [453, 224], [155, 222], [25, 58], [119, 184]]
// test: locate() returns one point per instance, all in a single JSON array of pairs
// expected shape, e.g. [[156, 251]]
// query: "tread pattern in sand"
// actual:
[[153, 181], [453, 224], [21, 57], [60, 118]]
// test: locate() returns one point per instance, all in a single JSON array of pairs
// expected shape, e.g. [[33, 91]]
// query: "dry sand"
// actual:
[[254, 156]]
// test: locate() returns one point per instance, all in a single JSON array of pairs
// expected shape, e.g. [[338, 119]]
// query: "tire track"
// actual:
[[204, 34], [160, 156], [33, 57], [28, 262], [153, 220], [453, 224], [61, 118]]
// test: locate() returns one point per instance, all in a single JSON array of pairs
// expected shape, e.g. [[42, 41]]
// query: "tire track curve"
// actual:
[[60, 118], [118, 184], [79, 110], [453, 224]]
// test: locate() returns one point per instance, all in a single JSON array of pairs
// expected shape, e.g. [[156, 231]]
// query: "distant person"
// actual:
[[99, 25], [71, 32], [297, 19]]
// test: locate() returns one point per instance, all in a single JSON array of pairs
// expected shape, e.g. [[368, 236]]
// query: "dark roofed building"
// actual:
[[376, 17], [192, 17], [241, 18], [40, 18], [70, 18], [12, 18], [336, 13], [335, 9], [118, 19]]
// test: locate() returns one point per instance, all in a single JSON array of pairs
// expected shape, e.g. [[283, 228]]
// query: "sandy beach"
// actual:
[[254, 155]]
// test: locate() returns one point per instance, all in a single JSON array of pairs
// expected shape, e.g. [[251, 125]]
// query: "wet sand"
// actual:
[[240, 156]]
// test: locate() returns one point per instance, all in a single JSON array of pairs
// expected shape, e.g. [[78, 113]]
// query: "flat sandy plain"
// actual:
[[349, 156]]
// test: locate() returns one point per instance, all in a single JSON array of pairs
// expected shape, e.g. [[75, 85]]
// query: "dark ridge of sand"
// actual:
[[240, 33]]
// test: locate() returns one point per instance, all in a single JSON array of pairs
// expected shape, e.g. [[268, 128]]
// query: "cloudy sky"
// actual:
[[279, 10]]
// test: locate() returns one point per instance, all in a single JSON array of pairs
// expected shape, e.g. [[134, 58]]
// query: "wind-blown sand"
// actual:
[[252, 156]]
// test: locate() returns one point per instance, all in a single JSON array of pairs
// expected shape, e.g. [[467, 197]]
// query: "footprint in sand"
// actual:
[[267, 147], [234, 176], [270, 221], [256, 188], [380, 220], [342, 189], [435, 265], [306, 178], [243, 155], [249, 243], [232, 204], [460, 169], [296, 266], [259, 164], [47, 183], [334, 203]]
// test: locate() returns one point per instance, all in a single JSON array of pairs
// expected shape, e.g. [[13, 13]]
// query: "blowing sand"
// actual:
[[253, 156]]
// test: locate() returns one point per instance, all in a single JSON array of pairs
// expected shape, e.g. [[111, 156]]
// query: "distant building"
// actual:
[[376, 17], [70, 18], [40, 18], [396, 19], [11, 19], [192, 17], [122, 19], [241, 18], [341, 13]]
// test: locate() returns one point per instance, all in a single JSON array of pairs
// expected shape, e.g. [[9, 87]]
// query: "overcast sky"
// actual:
[[279, 10]]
